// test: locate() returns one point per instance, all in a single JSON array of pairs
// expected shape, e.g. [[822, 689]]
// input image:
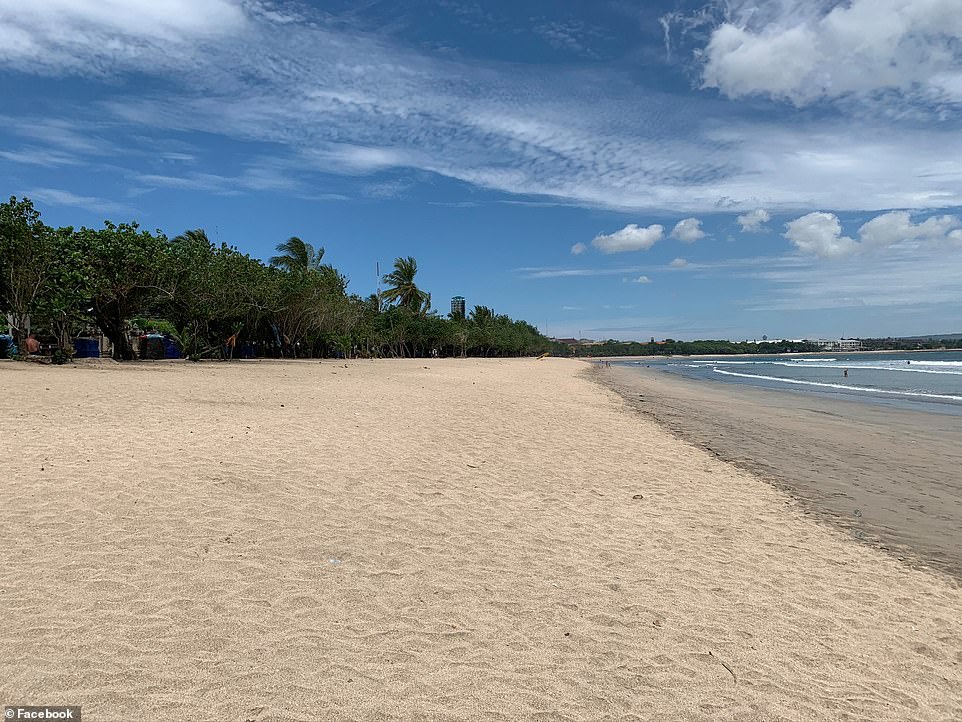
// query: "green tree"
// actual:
[[122, 265], [211, 292], [26, 260], [64, 303]]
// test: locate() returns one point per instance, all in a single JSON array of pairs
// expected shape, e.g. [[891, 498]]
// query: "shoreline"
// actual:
[[884, 476]]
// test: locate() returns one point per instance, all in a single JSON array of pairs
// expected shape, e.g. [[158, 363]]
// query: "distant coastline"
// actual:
[[787, 354]]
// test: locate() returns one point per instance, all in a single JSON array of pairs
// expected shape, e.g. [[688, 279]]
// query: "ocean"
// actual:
[[927, 381]]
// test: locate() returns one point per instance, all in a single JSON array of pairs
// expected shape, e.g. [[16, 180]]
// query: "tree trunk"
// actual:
[[111, 321], [18, 329]]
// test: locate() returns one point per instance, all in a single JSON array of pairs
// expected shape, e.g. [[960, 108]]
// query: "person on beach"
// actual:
[[32, 345]]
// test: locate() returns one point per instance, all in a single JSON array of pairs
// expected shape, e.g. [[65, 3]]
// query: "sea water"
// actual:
[[930, 380]]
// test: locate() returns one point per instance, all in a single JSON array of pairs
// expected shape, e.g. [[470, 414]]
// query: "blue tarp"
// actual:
[[7, 348], [86, 348]]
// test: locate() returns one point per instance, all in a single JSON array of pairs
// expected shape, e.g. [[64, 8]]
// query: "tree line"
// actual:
[[215, 301], [671, 347]]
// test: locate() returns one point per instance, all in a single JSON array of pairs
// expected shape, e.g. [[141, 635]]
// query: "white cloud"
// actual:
[[820, 234], [630, 238], [578, 248], [688, 230], [641, 279], [897, 227], [678, 263], [753, 221], [801, 51]]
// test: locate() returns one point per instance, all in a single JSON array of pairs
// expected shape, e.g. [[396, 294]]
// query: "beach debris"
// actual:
[[334, 560], [472, 466], [723, 664], [638, 496], [858, 512]]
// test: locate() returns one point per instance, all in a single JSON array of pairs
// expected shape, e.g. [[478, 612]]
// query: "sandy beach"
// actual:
[[887, 476], [428, 540]]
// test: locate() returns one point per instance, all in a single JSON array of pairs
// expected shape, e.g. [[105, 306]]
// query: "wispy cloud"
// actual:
[[347, 101], [535, 272], [853, 283], [58, 197], [46, 157]]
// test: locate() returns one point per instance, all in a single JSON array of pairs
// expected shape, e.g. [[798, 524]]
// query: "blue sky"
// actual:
[[609, 168]]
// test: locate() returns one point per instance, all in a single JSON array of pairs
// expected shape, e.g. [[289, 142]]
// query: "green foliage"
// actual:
[[26, 257], [218, 302], [61, 356]]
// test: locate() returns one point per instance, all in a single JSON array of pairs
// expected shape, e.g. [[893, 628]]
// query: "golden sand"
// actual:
[[432, 540]]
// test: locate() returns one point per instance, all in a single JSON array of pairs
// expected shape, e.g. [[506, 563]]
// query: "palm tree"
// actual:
[[403, 289], [297, 255], [196, 235]]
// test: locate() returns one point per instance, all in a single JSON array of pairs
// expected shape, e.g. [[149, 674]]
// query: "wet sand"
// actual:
[[887, 476]]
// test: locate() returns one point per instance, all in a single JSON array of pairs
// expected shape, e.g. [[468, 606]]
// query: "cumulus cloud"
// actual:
[[753, 221], [630, 238], [897, 227], [820, 234], [678, 263], [641, 279], [578, 248], [800, 51], [688, 230]]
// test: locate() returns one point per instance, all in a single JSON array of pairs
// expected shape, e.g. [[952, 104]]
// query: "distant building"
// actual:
[[842, 344], [457, 307]]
